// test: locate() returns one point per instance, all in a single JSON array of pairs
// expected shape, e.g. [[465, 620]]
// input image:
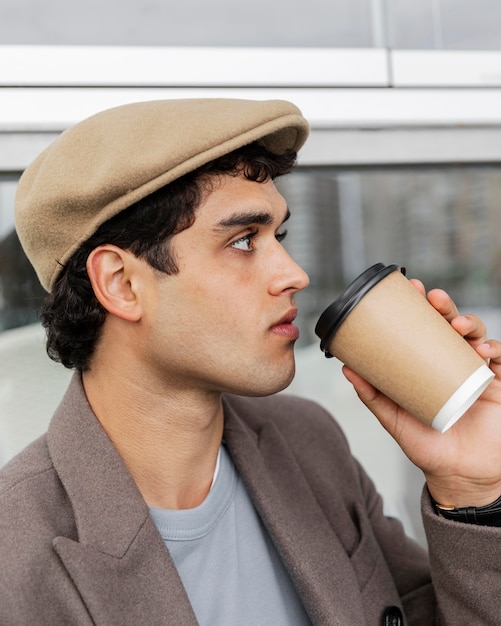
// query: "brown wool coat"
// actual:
[[78, 547]]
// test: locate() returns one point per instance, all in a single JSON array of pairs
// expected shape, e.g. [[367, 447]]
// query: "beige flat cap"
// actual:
[[104, 164]]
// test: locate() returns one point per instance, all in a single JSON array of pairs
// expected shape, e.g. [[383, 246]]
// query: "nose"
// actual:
[[287, 275]]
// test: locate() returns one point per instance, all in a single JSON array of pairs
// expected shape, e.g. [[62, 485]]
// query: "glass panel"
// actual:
[[338, 23], [7, 193], [443, 224], [410, 24], [471, 25], [445, 24], [20, 291]]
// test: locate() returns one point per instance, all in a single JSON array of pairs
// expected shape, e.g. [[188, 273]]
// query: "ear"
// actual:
[[114, 274]]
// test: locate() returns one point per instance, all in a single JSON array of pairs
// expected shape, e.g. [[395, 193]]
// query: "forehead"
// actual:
[[229, 195]]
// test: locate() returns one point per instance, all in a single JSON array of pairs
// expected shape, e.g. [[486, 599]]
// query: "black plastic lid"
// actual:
[[335, 314]]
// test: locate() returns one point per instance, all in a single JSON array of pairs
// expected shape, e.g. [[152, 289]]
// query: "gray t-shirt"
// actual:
[[228, 564]]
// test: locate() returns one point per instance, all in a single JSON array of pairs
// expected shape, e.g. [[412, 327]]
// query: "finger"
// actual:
[[444, 304], [418, 285], [491, 351], [363, 388], [373, 399], [399, 424], [471, 328]]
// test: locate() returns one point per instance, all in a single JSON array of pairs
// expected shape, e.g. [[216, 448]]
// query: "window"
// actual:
[[445, 24], [20, 291], [442, 223], [338, 23]]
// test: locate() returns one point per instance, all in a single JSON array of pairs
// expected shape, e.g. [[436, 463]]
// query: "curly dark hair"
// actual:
[[71, 313]]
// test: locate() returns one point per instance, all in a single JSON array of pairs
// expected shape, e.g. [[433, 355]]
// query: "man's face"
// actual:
[[224, 321]]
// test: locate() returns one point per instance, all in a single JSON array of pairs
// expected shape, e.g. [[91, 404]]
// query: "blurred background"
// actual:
[[403, 164]]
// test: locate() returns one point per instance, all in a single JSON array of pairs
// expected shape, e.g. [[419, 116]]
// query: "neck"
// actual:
[[168, 439]]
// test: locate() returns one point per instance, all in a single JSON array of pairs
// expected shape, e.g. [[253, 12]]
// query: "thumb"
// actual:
[[402, 426]]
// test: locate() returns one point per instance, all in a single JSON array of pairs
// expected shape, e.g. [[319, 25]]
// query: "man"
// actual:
[[173, 486]]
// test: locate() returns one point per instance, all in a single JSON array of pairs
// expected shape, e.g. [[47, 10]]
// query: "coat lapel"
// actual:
[[117, 560], [313, 554], [142, 587]]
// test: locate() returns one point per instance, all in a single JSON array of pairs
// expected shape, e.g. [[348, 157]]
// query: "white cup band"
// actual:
[[462, 399]]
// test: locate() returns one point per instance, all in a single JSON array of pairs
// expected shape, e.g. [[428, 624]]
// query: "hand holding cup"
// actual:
[[463, 465]]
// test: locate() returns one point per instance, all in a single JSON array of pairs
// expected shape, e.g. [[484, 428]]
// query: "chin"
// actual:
[[269, 387]]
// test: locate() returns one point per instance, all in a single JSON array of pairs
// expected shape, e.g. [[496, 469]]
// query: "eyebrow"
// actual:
[[247, 219]]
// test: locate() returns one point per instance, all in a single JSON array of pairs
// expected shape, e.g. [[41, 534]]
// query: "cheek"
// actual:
[[217, 296], [230, 291]]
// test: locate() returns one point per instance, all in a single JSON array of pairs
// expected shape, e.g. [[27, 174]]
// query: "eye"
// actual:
[[281, 235], [244, 243]]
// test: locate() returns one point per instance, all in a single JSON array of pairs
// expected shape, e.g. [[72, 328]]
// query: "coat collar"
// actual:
[[108, 508], [313, 554], [119, 562]]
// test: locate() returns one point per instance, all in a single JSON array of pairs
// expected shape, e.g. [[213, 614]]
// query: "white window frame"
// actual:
[[365, 106]]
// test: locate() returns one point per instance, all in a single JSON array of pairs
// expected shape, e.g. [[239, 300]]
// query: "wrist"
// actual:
[[486, 515], [461, 494]]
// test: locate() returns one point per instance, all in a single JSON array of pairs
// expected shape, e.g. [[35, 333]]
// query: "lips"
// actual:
[[285, 327], [288, 318]]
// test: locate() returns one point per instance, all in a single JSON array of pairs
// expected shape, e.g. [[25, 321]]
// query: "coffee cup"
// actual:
[[386, 331]]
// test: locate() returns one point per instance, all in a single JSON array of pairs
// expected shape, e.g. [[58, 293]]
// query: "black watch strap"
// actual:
[[488, 515]]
